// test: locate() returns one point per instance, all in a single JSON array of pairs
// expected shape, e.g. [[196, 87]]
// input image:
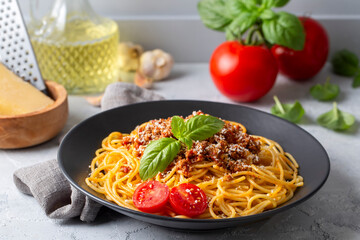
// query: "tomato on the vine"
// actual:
[[304, 64], [151, 196], [243, 73], [188, 199]]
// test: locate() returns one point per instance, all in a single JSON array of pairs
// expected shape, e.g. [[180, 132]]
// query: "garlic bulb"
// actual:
[[129, 55], [156, 64]]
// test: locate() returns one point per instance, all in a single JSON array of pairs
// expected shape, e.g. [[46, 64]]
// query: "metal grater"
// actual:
[[16, 51]]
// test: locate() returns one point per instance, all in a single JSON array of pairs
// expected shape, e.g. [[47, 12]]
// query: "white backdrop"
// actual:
[[157, 8], [174, 25]]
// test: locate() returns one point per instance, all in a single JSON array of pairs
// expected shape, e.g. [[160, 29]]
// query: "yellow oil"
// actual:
[[82, 56]]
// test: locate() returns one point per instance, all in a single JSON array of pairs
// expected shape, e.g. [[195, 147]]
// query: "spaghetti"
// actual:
[[241, 174]]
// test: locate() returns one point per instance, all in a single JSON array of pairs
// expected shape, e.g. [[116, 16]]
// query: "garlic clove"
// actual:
[[142, 81], [156, 64]]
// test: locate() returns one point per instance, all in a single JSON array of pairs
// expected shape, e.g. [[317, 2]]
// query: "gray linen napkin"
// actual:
[[48, 185]]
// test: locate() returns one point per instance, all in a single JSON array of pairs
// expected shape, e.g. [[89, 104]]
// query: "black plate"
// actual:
[[78, 147]]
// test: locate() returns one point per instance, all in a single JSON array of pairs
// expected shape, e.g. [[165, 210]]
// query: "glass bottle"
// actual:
[[74, 46]]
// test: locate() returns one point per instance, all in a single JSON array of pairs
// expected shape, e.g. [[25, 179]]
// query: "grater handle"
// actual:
[[16, 51]]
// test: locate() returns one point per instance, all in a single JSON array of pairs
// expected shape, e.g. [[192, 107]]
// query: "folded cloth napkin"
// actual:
[[48, 185]]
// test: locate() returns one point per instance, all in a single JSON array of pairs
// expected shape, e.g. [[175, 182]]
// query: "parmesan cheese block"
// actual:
[[19, 97]]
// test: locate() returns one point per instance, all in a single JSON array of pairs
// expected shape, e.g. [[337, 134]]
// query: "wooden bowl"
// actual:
[[33, 128]]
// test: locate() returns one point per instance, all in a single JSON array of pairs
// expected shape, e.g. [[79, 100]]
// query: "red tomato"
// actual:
[[151, 196], [304, 64], [243, 73], [188, 199]]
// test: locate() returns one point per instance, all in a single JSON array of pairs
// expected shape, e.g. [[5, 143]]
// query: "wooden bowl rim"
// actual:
[[52, 87]]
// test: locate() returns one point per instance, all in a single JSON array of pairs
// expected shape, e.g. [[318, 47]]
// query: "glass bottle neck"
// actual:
[[63, 7]]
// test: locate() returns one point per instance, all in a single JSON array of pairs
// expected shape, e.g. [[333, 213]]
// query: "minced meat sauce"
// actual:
[[230, 148]]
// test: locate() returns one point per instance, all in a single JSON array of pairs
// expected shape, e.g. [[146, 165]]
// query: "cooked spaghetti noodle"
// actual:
[[240, 174]]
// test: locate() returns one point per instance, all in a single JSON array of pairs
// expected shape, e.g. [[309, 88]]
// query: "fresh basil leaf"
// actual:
[[201, 127], [240, 24], [280, 3], [214, 14], [345, 63], [291, 112], [336, 119], [273, 3], [267, 14], [188, 141], [177, 126], [157, 156], [356, 81], [286, 30], [325, 92], [235, 7], [251, 5]]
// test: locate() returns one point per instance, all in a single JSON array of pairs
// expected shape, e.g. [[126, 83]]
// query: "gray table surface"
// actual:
[[332, 213]]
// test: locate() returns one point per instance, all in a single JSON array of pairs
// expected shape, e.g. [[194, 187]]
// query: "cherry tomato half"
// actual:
[[304, 64], [243, 73], [188, 199], [151, 196]]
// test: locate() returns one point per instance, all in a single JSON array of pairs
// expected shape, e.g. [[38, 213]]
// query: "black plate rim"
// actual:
[[248, 218]]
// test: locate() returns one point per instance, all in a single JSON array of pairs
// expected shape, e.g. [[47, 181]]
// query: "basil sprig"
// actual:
[[346, 63], [325, 92], [160, 153], [336, 119], [291, 112], [235, 17]]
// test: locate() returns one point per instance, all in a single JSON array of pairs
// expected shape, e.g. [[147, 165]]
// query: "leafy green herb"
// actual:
[[291, 112], [214, 14], [160, 153], [285, 29], [235, 17], [356, 81], [239, 25], [345, 63], [325, 92], [157, 156], [178, 126], [201, 127], [336, 119]]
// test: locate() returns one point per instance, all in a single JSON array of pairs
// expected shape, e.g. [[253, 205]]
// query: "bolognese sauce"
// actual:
[[230, 148]]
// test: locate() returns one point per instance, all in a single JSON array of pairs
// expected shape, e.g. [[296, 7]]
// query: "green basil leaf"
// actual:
[[201, 127], [281, 3], [291, 112], [286, 30], [345, 63], [178, 126], [240, 24], [273, 3], [214, 14], [251, 5], [336, 119], [325, 92], [235, 7], [356, 81], [188, 141], [157, 156], [267, 14]]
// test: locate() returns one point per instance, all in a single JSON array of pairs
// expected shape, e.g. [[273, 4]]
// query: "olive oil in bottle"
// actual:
[[76, 47]]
